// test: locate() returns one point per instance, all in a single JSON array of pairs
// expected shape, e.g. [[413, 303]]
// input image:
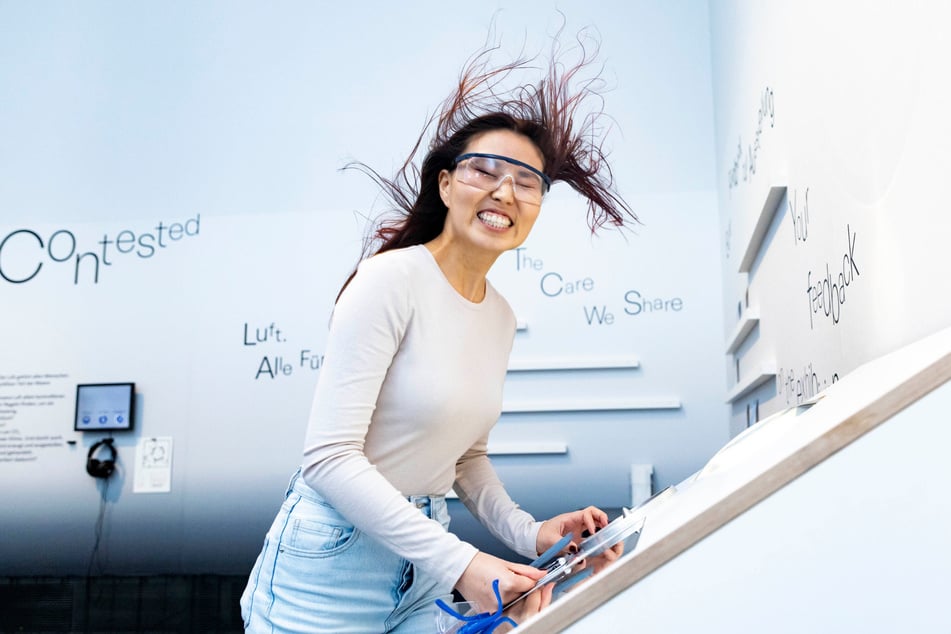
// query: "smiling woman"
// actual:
[[488, 212], [559, 112], [411, 382]]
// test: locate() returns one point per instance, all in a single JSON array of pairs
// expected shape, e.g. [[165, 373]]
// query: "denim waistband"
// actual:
[[424, 503]]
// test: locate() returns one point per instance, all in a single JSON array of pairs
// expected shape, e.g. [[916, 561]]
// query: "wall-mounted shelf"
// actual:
[[543, 365], [743, 329], [521, 326], [528, 448], [591, 405], [776, 193], [765, 373]]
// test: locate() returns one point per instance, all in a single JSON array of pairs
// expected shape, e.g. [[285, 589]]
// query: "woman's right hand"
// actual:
[[475, 584]]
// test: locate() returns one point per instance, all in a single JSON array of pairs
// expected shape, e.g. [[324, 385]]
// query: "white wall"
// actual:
[[229, 122], [843, 104]]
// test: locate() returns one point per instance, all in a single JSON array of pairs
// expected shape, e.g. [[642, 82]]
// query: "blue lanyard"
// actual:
[[484, 623]]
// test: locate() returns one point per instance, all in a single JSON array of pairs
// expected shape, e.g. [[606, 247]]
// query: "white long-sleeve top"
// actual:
[[410, 387]]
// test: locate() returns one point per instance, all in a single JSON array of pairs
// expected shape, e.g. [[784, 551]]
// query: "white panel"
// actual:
[[802, 509], [843, 138], [858, 543]]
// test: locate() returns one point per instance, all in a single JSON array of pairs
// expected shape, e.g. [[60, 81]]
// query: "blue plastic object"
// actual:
[[484, 623]]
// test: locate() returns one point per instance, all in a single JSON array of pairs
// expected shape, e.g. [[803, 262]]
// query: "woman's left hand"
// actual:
[[591, 519]]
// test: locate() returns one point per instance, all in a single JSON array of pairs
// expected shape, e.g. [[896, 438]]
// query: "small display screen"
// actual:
[[105, 406]]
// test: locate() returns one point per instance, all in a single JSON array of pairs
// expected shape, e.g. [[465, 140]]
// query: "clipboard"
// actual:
[[627, 527], [561, 569]]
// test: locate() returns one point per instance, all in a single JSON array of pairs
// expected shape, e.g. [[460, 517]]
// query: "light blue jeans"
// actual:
[[317, 573]]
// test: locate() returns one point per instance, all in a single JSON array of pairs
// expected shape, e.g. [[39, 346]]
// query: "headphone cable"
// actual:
[[100, 521]]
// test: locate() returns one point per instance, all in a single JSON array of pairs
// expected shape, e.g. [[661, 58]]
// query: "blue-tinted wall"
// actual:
[[170, 189]]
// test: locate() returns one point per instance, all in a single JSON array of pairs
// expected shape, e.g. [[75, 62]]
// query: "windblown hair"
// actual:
[[561, 114]]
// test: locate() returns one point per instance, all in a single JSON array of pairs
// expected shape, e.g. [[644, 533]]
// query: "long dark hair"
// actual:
[[549, 113]]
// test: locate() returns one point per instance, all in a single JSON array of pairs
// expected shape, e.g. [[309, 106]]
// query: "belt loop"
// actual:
[[433, 506], [293, 481], [423, 503]]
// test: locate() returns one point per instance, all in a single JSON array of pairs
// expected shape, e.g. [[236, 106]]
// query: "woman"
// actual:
[[412, 378]]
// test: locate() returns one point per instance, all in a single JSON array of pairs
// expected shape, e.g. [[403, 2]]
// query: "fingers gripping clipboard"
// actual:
[[560, 569]]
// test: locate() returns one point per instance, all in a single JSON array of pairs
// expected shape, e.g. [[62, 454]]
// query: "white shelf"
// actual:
[[743, 329], [776, 193], [589, 405], [521, 326], [543, 365], [528, 448], [765, 373]]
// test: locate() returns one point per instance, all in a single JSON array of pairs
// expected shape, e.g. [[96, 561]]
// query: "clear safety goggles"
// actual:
[[488, 171]]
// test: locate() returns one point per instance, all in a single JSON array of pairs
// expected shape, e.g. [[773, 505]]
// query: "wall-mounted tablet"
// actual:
[[105, 407]]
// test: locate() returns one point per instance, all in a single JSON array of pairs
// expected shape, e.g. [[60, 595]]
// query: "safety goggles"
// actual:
[[487, 171]]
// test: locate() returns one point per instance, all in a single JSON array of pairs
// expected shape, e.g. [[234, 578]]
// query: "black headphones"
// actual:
[[101, 468]]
